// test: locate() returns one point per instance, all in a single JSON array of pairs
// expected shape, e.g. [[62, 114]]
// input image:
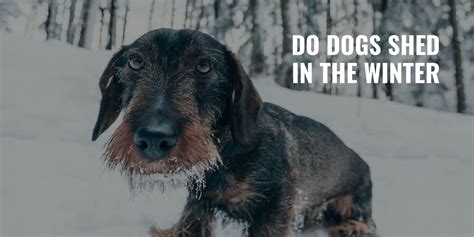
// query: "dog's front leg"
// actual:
[[196, 221], [276, 222]]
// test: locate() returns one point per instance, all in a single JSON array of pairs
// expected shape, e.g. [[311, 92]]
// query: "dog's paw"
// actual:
[[352, 228], [156, 232]]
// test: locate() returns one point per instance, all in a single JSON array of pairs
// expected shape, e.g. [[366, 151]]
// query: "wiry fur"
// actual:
[[256, 163], [194, 155]]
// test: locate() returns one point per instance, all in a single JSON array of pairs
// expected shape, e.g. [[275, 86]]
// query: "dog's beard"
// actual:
[[194, 154]]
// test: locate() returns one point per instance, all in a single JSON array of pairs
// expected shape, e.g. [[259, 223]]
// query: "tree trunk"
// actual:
[[310, 17], [286, 46], [125, 18], [391, 23], [222, 19], [71, 28], [289, 24], [327, 88], [173, 9], [50, 23], [355, 32], [274, 14], [186, 14], [458, 74], [102, 23], [257, 58], [150, 16], [285, 18], [89, 16], [374, 26], [112, 32], [201, 15]]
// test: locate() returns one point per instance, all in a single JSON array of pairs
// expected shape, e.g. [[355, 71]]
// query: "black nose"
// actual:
[[155, 142]]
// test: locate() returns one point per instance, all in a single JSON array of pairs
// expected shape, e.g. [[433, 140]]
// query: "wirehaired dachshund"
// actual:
[[192, 116]]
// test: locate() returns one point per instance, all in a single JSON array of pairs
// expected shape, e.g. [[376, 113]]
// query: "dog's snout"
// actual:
[[155, 142]]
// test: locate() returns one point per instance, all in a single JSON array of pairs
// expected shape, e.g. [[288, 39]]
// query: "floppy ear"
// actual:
[[111, 103], [245, 105]]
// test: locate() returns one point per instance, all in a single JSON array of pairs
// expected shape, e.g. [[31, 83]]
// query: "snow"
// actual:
[[53, 182]]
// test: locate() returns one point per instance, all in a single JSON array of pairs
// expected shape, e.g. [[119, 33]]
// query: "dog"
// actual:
[[192, 115]]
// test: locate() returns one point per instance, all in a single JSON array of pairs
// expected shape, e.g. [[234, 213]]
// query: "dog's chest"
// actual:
[[231, 191], [232, 197]]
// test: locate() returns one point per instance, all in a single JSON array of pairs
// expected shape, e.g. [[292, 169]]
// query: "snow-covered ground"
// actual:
[[53, 183]]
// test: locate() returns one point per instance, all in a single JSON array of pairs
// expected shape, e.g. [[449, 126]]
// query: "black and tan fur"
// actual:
[[261, 164]]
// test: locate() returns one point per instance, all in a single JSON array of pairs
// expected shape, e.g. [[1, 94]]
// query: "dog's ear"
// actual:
[[245, 103], [111, 103]]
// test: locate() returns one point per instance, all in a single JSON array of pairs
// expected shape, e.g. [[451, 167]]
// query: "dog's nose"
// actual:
[[155, 142]]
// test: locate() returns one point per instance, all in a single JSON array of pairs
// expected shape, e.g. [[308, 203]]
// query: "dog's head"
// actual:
[[175, 88]]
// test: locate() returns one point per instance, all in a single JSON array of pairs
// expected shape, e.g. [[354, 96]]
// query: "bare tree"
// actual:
[[61, 18], [221, 15], [285, 18], [374, 27], [285, 69], [311, 9], [186, 14], [458, 74], [102, 23], [71, 27], [112, 32], [202, 12], [289, 24], [257, 58], [150, 16], [125, 18], [357, 57], [327, 88], [275, 16], [50, 23], [310, 16], [89, 15], [173, 9], [391, 23]]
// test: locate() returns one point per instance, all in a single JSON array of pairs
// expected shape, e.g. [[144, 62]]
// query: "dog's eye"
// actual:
[[135, 62], [203, 67]]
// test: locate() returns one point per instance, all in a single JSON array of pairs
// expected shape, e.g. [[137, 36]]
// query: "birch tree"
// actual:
[[50, 24], [289, 19], [393, 12], [257, 58], [458, 70], [357, 57], [112, 30], [125, 19], [101, 23], [89, 15], [328, 87], [71, 27], [222, 19], [375, 94]]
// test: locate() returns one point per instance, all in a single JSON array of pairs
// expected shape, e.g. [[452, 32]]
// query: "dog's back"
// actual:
[[333, 185]]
